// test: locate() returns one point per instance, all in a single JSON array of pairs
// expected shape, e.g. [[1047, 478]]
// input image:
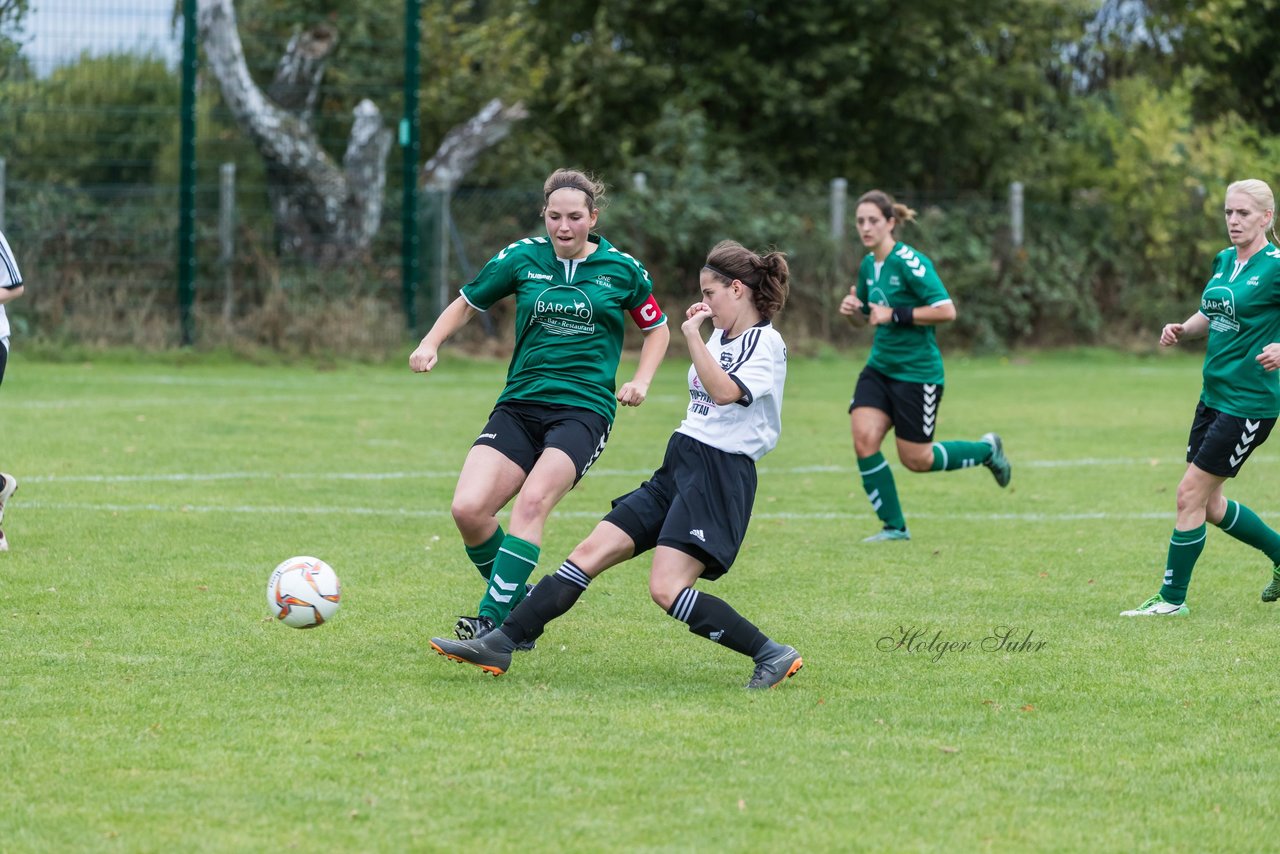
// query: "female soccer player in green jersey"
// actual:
[[900, 388], [1240, 398], [573, 290]]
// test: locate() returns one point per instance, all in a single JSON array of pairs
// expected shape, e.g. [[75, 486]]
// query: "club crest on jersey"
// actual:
[[1219, 305], [564, 311], [726, 359]]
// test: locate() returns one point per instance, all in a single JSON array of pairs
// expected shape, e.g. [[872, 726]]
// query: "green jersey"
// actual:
[[907, 280], [569, 319], [1242, 302]]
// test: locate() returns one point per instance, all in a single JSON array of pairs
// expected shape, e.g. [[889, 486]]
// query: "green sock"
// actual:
[[1243, 524], [482, 555], [949, 456], [511, 569], [877, 480], [1184, 550]]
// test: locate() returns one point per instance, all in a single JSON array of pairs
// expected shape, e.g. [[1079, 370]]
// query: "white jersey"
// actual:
[[757, 361], [9, 278]]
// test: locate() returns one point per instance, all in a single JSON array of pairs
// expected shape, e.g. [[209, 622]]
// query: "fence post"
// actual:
[[3, 184], [226, 236], [409, 146], [443, 222], [1015, 214], [839, 204], [187, 185]]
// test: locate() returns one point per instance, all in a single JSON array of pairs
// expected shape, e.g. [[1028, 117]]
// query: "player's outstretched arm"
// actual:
[[453, 318], [1193, 327], [652, 350]]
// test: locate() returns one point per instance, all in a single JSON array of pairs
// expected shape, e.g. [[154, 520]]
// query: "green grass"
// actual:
[[148, 703]]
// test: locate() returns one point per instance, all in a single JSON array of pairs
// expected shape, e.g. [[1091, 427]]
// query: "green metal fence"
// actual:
[[115, 187]]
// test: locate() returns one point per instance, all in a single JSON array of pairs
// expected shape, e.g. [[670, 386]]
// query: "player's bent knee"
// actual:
[[469, 517], [662, 594], [917, 462]]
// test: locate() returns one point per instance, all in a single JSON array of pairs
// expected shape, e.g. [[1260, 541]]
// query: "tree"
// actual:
[[860, 88], [12, 13], [323, 211]]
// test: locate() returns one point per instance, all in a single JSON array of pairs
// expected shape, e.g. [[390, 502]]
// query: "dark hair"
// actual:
[[888, 208], [574, 180], [767, 275]]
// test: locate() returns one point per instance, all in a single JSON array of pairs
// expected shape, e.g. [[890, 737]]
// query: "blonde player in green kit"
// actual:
[[573, 293], [1240, 400], [900, 389]]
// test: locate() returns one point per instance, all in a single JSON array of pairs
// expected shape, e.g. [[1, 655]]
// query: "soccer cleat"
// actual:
[[1270, 594], [773, 671], [470, 628], [1157, 607], [888, 534], [486, 653], [999, 464], [7, 491], [474, 628]]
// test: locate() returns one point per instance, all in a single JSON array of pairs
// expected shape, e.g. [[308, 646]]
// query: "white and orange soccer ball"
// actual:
[[304, 592]]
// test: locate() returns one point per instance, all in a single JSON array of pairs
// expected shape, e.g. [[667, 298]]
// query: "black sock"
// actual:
[[716, 620], [553, 596]]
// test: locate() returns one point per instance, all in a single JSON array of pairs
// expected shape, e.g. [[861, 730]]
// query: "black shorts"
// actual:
[[1219, 443], [521, 431], [913, 407], [699, 503]]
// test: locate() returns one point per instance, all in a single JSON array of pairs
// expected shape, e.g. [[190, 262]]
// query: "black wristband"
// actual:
[[904, 315], [866, 308]]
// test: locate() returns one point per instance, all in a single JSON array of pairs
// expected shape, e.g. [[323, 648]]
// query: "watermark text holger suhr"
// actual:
[[934, 645]]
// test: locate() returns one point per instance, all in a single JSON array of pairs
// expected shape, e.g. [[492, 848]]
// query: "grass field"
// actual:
[[148, 703]]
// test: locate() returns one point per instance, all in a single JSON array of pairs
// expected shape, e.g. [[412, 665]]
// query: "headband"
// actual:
[[728, 276], [591, 200]]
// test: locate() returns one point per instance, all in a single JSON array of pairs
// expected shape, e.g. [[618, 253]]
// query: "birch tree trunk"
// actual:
[[324, 211]]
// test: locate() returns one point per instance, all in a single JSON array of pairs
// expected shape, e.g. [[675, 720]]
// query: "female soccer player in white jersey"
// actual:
[[10, 289], [573, 290], [1240, 398], [900, 388], [693, 512]]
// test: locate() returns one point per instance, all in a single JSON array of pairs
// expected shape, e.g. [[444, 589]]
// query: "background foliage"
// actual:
[[1123, 120]]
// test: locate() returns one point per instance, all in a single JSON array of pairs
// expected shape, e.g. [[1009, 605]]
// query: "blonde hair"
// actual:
[[1260, 192]]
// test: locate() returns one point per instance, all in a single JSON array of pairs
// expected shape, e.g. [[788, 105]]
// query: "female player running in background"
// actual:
[[900, 388]]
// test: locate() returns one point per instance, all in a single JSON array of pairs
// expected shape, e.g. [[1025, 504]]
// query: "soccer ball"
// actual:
[[303, 592]]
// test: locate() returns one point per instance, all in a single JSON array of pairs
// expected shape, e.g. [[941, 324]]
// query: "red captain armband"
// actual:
[[647, 315]]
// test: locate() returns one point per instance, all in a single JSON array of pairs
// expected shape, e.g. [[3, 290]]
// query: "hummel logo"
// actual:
[[498, 597], [697, 532], [488, 435], [1246, 439]]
